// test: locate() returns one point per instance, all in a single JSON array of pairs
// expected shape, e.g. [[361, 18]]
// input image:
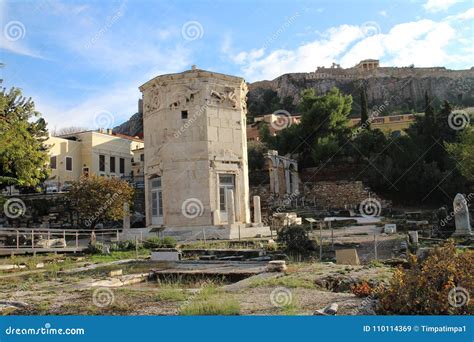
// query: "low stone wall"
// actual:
[[339, 194], [43, 211], [324, 194]]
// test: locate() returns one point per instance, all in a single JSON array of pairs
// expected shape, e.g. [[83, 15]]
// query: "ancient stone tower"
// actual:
[[195, 150]]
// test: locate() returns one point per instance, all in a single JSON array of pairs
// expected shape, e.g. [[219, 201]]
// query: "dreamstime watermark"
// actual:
[[108, 25], [103, 208], [14, 208], [377, 111], [458, 120], [46, 330], [281, 297], [103, 297], [191, 120], [280, 30], [367, 303], [456, 210], [370, 207], [370, 28], [192, 208], [283, 120], [104, 119], [14, 30], [374, 114], [458, 296], [281, 207], [192, 30]]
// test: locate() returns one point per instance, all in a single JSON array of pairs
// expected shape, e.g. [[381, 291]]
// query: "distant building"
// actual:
[[392, 124], [138, 165], [368, 64], [98, 152], [274, 122]]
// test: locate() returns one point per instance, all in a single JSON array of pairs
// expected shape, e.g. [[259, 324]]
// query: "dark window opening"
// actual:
[[184, 114], [68, 163], [101, 163], [112, 164], [52, 162], [122, 165]]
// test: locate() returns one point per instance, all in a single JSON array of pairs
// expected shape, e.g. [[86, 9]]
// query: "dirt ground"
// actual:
[[304, 288]]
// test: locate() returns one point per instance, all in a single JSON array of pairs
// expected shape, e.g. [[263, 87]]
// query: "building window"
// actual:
[[101, 163], [112, 164], [226, 182], [184, 114], [52, 162], [68, 163], [156, 197], [142, 157], [122, 165]]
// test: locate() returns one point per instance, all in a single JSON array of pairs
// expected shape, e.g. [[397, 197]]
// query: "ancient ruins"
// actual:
[[196, 168]]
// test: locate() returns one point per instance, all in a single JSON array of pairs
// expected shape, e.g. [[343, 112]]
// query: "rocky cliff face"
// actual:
[[132, 127], [388, 89], [397, 89]]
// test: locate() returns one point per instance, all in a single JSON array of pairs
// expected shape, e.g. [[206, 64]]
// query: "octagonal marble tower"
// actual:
[[195, 151]]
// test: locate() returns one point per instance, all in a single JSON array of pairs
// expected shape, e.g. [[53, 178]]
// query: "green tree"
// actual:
[[23, 155], [255, 151], [364, 111], [100, 199], [287, 104], [324, 124], [463, 153]]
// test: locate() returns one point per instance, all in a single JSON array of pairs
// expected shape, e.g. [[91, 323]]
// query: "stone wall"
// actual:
[[324, 194], [43, 211], [339, 194]]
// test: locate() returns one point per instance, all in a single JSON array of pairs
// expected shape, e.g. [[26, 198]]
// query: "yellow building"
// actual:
[[392, 124], [138, 165], [90, 152]]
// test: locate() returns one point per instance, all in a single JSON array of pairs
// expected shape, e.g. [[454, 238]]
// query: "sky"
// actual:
[[83, 61]]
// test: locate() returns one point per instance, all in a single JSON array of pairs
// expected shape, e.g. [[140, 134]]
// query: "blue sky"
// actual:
[[83, 61]]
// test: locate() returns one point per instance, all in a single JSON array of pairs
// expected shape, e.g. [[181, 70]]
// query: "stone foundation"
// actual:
[[184, 234]]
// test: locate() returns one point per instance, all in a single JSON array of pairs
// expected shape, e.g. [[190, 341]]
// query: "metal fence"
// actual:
[[37, 240]]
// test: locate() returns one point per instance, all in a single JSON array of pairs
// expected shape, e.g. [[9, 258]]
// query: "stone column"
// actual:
[[295, 182], [230, 208], [257, 213], [287, 179], [126, 216], [461, 216]]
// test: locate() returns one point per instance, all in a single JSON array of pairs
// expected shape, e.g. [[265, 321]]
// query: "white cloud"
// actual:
[[324, 51], [439, 5], [423, 43], [468, 15], [119, 100], [19, 48]]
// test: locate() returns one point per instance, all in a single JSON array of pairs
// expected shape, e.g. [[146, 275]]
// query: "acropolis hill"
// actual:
[[399, 89]]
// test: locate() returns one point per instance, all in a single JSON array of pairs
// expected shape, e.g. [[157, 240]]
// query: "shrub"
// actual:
[[296, 239], [425, 287], [96, 248], [362, 289]]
